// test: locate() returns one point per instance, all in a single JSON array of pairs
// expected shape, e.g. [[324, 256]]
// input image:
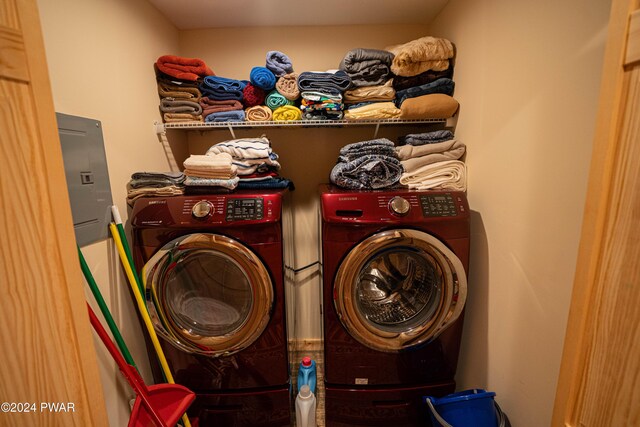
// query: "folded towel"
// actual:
[[173, 177], [368, 172], [278, 63], [384, 92], [443, 85], [420, 55], [258, 113], [168, 191], [400, 83], [212, 162], [210, 106], [312, 95], [170, 80], [322, 115], [203, 173], [287, 86], [380, 147], [222, 88], [253, 95], [331, 83], [367, 67], [172, 105], [229, 184], [434, 106], [425, 137], [449, 175], [307, 105], [243, 148], [225, 116], [169, 90], [270, 182], [183, 68], [275, 100], [287, 113], [181, 117], [263, 78], [415, 157], [375, 110]]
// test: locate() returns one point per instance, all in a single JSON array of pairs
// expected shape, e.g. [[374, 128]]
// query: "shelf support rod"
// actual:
[[375, 133], [233, 135]]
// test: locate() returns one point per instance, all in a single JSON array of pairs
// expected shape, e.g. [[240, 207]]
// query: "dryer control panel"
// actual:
[[437, 205]]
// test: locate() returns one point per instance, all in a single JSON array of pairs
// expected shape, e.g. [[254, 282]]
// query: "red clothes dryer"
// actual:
[[394, 282], [213, 272]]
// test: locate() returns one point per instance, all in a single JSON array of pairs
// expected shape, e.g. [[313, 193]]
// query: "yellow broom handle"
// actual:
[[143, 311]]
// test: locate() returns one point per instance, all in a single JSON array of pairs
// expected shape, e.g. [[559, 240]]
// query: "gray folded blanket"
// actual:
[[367, 67], [278, 63], [368, 172], [155, 179], [171, 105], [380, 147], [425, 138], [330, 83]]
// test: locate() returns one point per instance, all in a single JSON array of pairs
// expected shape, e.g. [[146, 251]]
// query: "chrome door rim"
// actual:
[[451, 304]]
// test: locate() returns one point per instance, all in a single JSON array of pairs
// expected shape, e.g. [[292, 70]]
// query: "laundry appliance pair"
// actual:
[[213, 268], [394, 287]]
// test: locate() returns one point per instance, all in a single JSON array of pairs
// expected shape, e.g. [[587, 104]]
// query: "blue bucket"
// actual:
[[469, 408]]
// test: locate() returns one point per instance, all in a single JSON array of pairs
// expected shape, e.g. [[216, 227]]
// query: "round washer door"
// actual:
[[208, 294], [398, 289]]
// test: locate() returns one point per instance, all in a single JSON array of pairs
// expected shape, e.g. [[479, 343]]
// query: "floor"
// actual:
[[313, 349]]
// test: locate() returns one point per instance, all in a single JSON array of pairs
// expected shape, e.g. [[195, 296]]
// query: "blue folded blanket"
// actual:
[[272, 182], [225, 116], [331, 83], [278, 63], [443, 85], [222, 88], [368, 172], [262, 78]]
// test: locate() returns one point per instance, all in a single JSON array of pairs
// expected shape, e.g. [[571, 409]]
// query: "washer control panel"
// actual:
[[399, 206], [244, 209], [438, 205]]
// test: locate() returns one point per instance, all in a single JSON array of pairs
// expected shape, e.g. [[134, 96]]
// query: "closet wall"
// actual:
[[527, 77], [100, 56]]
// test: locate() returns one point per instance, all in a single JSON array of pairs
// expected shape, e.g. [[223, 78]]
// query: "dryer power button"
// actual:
[[399, 206], [201, 210]]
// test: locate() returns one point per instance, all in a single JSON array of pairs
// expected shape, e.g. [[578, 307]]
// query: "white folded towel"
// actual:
[[414, 157], [244, 148], [447, 175]]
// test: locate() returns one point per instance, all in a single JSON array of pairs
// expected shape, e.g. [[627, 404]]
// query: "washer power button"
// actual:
[[399, 206]]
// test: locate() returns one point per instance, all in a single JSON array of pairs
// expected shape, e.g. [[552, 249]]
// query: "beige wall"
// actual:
[[100, 56], [527, 78]]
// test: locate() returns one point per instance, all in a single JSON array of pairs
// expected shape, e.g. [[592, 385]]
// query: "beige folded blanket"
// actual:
[[258, 113], [168, 90], [448, 175], [181, 117], [207, 173], [420, 55], [213, 163], [376, 110], [414, 157], [287, 86], [137, 193], [432, 106], [384, 92]]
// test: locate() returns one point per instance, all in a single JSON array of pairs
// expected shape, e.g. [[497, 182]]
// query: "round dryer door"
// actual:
[[398, 289], [208, 294]]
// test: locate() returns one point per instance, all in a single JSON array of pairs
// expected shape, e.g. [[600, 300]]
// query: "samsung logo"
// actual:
[[157, 202], [347, 198]]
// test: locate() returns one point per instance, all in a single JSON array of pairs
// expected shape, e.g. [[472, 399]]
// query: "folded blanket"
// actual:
[[400, 83], [203, 173], [229, 184], [278, 63], [225, 116], [368, 172], [449, 175], [367, 67], [286, 113], [270, 182], [312, 95], [168, 191], [263, 78], [322, 115], [258, 113], [155, 179], [183, 68], [172, 105], [275, 100], [434, 106], [210, 106], [384, 92], [253, 95], [420, 55], [380, 147], [214, 162], [307, 105], [415, 157], [425, 138], [222, 88], [287, 86], [167, 79], [169, 90], [375, 110], [443, 85], [331, 83], [181, 117], [243, 148]]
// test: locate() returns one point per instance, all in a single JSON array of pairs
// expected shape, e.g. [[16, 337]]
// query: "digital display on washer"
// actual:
[[438, 205], [244, 209]]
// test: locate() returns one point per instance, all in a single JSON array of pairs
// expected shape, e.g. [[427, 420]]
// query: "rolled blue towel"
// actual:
[[222, 88], [225, 116], [262, 78], [278, 63]]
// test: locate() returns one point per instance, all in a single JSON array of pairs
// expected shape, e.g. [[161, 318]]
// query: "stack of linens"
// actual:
[[210, 172], [154, 184], [322, 94], [367, 165], [217, 89]]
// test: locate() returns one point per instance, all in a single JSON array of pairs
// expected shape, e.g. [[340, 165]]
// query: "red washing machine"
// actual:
[[394, 271], [213, 272]]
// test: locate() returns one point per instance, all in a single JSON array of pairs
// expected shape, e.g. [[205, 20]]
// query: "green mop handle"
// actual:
[[125, 244], [105, 310]]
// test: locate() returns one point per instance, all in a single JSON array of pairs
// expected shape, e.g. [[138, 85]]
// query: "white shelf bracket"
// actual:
[[159, 127], [161, 133], [375, 133], [233, 135]]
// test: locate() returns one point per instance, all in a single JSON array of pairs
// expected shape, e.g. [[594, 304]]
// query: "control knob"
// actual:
[[399, 206], [201, 210]]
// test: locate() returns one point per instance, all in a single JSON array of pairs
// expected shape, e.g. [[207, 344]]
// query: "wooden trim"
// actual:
[[586, 290], [633, 42]]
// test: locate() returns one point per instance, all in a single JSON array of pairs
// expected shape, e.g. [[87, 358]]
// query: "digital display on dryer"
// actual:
[[440, 205], [244, 209]]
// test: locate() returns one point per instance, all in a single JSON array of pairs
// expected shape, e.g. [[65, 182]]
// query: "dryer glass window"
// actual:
[[399, 288], [207, 293]]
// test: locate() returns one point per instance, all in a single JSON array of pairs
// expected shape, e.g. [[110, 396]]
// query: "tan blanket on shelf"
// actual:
[[420, 55], [181, 117], [168, 90], [384, 92], [137, 193], [414, 157], [287, 86], [258, 113], [207, 173], [448, 175], [432, 106], [211, 163], [375, 110]]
